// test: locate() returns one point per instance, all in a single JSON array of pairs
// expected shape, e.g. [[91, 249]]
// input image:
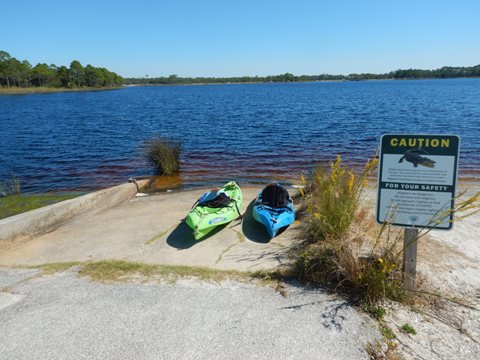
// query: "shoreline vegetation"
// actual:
[[446, 72], [21, 77], [47, 90]]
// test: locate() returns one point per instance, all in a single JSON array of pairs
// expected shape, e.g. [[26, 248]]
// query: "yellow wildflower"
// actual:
[[351, 180]]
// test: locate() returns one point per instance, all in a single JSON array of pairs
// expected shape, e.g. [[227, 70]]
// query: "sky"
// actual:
[[243, 37]]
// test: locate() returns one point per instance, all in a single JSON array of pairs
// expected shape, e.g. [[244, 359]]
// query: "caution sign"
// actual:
[[416, 180]]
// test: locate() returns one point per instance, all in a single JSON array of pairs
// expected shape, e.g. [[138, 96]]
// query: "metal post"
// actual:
[[410, 257]]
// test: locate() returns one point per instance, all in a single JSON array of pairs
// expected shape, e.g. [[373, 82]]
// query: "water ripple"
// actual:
[[251, 132]]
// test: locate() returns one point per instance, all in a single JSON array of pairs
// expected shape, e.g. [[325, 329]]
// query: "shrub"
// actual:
[[345, 249], [332, 254], [164, 154]]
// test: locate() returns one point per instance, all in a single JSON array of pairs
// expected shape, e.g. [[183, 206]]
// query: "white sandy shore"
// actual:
[[448, 264]]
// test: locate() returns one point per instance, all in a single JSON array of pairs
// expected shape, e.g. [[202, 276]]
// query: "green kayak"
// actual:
[[214, 208]]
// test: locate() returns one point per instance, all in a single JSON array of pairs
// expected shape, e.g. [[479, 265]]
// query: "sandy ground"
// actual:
[[448, 264], [449, 261]]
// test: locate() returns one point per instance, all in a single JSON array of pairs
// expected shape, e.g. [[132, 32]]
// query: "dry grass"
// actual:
[[52, 268], [123, 271], [120, 270], [332, 198], [345, 248], [339, 251]]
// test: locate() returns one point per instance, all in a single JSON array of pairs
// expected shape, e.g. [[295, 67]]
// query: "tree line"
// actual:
[[14, 72], [441, 73]]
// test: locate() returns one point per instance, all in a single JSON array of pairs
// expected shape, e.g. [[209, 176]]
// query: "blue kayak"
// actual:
[[273, 208]]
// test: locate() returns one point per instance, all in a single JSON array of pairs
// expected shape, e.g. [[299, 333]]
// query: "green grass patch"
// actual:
[[377, 312], [408, 329], [17, 204]]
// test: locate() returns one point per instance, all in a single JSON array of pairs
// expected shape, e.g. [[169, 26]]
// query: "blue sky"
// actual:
[[244, 37]]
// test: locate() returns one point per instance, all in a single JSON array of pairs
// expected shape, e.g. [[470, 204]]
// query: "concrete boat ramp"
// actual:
[[66, 316], [145, 229]]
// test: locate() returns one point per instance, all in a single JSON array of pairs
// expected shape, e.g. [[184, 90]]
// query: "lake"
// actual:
[[252, 133]]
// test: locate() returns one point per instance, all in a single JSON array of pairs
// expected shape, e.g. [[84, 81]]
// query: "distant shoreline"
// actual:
[[291, 82], [240, 82], [47, 90]]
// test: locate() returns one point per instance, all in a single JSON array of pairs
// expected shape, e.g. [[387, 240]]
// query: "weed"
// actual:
[[378, 312], [164, 154], [408, 329], [387, 333], [10, 187], [376, 351]]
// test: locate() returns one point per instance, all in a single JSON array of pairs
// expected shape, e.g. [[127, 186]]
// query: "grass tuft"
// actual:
[[408, 329], [387, 333], [10, 187], [377, 312], [164, 154]]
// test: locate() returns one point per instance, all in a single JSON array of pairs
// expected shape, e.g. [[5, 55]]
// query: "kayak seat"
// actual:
[[218, 200], [275, 196]]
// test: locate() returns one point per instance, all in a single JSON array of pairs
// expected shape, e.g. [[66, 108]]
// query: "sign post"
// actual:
[[410, 257], [416, 188]]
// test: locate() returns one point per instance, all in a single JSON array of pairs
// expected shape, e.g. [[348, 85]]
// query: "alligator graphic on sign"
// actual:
[[415, 157]]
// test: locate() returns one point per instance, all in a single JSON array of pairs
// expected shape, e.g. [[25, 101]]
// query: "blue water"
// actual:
[[249, 132]]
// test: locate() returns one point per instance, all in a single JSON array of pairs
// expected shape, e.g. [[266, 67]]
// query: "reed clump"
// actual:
[[10, 187], [163, 154]]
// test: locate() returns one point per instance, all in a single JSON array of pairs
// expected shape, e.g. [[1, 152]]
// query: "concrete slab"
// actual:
[[9, 277], [64, 316], [150, 230], [38, 221]]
